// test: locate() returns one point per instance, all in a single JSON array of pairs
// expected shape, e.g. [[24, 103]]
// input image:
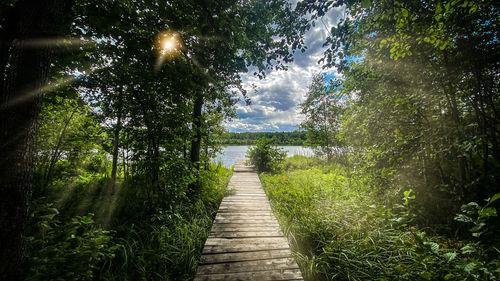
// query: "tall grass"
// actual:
[[168, 244], [340, 230], [143, 240]]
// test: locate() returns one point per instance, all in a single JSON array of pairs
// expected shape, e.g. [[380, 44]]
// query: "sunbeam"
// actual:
[[53, 42], [50, 86]]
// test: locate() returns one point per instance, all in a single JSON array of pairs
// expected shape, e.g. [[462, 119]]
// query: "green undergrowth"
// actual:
[[167, 244], [136, 237], [340, 230]]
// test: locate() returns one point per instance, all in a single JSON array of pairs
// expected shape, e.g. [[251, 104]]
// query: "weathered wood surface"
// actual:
[[246, 242]]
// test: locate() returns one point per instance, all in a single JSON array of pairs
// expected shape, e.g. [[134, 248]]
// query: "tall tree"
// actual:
[[24, 63], [322, 109]]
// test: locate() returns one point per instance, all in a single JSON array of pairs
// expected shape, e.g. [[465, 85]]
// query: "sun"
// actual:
[[168, 43]]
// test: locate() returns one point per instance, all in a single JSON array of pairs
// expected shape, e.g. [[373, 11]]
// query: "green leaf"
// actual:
[[477, 227], [449, 257], [366, 4], [469, 267], [426, 275], [494, 198], [433, 246], [487, 212], [407, 192], [468, 249]]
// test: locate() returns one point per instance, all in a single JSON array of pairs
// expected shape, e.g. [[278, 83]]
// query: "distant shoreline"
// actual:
[[295, 138]]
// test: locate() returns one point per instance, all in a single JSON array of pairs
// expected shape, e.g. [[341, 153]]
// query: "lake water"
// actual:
[[231, 153]]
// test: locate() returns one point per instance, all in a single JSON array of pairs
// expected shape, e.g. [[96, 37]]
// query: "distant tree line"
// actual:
[[281, 138]]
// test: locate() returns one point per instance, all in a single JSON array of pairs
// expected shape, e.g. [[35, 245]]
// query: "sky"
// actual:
[[274, 106]]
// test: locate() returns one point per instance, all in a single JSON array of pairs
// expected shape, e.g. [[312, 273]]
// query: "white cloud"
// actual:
[[274, 107]]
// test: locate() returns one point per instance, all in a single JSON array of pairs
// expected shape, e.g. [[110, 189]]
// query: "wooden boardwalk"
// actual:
[[246, 242]]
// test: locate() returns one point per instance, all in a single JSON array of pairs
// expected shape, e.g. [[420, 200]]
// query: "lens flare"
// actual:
[[168, 45]]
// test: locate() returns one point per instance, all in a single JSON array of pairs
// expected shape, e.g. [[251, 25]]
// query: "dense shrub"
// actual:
[[265, 156]]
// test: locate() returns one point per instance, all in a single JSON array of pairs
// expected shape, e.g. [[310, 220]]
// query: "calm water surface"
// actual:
[[231, 153]]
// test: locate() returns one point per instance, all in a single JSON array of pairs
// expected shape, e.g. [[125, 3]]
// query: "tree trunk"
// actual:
[[124, 163], [23, 73], [196, 142], [207, 162], [116, 142], [153, 150], [325, 128], [56, 153]]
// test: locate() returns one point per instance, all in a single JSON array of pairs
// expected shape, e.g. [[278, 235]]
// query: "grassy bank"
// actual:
[[341, 230]]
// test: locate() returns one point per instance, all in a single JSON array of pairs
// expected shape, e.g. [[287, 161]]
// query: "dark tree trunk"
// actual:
[[23, 72], [116, 142], [153, 147], [196, 142], [207, 162], [155, 171], [124, 164]]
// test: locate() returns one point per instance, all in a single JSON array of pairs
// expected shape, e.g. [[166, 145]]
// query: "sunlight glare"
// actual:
[[168, 46], [168, 43]]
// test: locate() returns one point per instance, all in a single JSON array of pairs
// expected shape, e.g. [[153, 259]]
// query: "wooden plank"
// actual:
[[245, 234], [262, 207], [233, 196], [238, 192], [239, 225], [243, 221], [256, 227], [239, 186], [244, 213], [265, 275], [245, 256], [244, 216], [246, 266], [255, 212], [245, 203], [211, 249], [245, 241], [246, 198], [256, 202], [239, 196]]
